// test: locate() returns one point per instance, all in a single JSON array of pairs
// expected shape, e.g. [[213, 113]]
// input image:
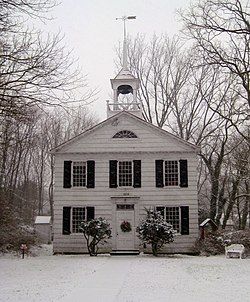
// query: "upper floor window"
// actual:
[[125, 173], [125, 134], [171, 173], [79, 174]]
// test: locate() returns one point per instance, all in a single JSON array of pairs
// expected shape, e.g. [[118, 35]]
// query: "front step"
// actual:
[[125, 252]]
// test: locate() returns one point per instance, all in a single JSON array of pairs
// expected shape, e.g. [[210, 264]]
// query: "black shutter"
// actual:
[[66, 220], [90, 174], [185, 220], [90, 213], [137, 173], [113, 173], [159, 173], [67, 174], [183, 173], [161, 210]]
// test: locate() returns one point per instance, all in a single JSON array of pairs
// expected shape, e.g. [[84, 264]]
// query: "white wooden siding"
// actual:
[[147, 196]]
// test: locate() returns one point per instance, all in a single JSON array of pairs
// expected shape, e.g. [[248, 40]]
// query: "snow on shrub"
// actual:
[[95, 231], [155, 231]]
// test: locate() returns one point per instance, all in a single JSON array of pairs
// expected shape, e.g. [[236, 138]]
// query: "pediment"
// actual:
[[102, 138]]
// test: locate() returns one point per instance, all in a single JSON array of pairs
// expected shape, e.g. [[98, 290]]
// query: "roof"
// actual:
[[42, 219], [208, 221], [114, 117]]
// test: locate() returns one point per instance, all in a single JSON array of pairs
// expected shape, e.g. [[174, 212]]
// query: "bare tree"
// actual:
[[221, 31]]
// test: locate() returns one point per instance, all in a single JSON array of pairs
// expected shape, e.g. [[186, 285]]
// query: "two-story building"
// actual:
[[117, 169]]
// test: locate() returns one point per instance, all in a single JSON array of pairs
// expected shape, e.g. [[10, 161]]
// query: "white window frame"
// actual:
[[178, 231], [118, 174], [71, 218], [72, 174], [178, 173]]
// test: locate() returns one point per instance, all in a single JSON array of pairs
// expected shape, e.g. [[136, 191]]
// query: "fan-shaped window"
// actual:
[[125, 134]]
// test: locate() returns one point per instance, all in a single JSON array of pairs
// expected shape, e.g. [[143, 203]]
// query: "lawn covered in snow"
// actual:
[[124, 278]]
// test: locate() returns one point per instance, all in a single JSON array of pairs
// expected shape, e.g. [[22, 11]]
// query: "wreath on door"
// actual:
[[125, 226]]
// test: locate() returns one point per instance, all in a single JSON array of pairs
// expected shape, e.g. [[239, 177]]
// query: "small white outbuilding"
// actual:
[[43, 228]]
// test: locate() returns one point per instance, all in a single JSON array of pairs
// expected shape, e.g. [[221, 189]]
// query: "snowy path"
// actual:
[[124, 279]]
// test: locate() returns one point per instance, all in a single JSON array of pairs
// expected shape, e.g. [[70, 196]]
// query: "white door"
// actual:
[[125, 240]]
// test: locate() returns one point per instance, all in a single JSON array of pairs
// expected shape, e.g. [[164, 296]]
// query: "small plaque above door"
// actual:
[[125, 207]]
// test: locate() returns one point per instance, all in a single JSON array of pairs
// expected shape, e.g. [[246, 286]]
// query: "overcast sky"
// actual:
[[92, 32]]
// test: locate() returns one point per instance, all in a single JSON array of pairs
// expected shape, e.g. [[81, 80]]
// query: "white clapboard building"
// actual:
[[117, 169]]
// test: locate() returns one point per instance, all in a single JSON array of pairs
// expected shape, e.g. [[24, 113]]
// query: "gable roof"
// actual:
[[114, 117]]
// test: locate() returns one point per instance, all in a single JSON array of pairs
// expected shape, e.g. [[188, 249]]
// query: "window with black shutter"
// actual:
[[66, 220], [183, 173], [159, 173], [113, 173], [73, 217], [185, 220], [90, 213], [90, 174], [67, 174], [178, 217], [137, 173], [171, 173]]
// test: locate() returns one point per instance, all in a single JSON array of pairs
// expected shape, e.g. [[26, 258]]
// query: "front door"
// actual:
[[125, 227]]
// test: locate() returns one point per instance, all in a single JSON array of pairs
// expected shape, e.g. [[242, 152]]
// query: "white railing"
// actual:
[[123, 106]]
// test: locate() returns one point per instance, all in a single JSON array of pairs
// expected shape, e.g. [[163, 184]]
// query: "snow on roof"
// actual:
[[42, 219]]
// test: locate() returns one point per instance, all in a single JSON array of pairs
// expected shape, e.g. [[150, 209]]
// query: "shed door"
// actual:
[[125, 240]]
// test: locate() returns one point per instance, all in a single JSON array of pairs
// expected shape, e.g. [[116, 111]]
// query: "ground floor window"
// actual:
[[78, 216], [73, 216], [171, 215]]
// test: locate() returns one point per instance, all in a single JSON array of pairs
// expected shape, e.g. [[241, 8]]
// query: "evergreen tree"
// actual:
[[155, 231], [95, 231]]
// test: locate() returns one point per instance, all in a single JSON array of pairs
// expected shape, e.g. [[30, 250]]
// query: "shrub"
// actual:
[[155, 231], [95, 231], [215, 243], [11, 238]]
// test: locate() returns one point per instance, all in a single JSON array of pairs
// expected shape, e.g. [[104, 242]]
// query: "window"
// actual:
[[78, 216], [171, 173], [171, 215], [125, 174], [125, 134], [73, 216], [125, 206], [79, 174]]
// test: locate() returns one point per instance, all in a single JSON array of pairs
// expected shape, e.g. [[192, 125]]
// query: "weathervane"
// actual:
[[124, 19]]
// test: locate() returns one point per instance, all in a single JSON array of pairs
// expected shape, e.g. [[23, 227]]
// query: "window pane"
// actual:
[[125, 134], [79, 174], [173, 217], [171, 173], [125, 173], [78, 216]]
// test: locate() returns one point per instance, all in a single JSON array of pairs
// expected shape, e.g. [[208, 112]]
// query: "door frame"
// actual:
[[124, 200]]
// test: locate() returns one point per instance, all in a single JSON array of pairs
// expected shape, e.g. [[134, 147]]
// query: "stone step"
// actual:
[[124, 252]]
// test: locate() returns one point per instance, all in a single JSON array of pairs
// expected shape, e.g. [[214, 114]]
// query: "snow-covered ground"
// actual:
[[123, 278]]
